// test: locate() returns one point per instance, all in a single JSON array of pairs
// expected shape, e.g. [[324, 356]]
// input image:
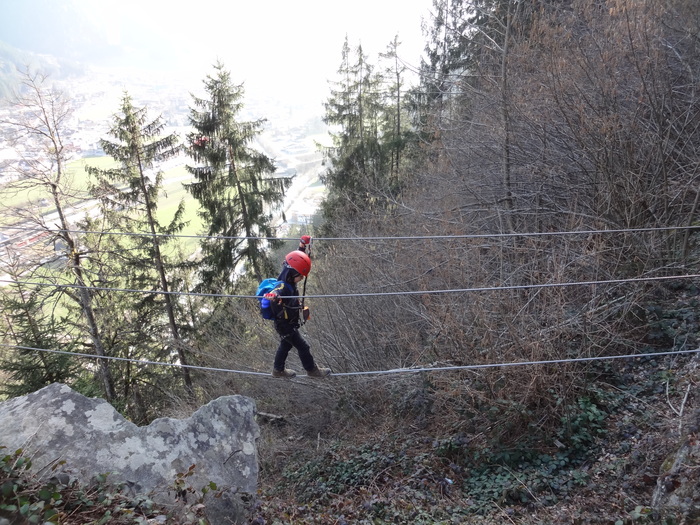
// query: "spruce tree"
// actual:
[[234, 184], [28, 324], [357, 164], [395, 124], [448, 55], [129, 196]]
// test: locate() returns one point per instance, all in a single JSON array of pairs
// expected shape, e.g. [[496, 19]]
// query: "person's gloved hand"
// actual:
[[270, 296]]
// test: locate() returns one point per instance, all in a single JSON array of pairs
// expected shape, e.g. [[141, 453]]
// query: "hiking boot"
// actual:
[[287, 373], [319, 372]]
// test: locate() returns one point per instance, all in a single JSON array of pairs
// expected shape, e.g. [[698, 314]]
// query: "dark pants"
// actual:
[[290, 337]]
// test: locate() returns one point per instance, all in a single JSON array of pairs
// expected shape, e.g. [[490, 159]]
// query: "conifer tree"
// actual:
[[234, 184], [395, 127], [357, 162], [129, 195], [28, 325], [446, 53]]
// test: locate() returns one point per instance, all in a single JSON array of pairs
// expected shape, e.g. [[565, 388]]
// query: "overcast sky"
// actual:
[[280, 45]]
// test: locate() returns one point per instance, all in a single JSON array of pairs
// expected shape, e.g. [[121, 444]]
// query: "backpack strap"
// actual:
[[303, 296]]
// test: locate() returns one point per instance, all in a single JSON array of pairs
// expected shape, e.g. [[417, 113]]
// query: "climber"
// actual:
[[289, 311]]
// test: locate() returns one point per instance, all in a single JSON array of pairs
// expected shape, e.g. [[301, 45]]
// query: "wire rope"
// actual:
[[364, 294], [368, 238], [367, 372]]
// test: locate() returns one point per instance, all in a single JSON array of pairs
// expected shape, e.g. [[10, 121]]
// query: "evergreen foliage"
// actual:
[[395, 127], [446, 54], [365, 112], [26, 324], [234, 184], [129, 195]]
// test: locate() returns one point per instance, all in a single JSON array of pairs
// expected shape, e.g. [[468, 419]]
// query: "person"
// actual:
[[287, 309]]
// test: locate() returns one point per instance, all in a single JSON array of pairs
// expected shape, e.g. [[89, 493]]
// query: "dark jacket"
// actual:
[[289, 310]]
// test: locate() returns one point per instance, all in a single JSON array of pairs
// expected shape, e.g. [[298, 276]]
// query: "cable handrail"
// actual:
[[364, 294], [365, 372], [367, 238]]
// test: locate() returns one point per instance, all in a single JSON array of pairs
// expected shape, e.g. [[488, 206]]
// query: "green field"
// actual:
[[27, 193], [173, 192], [76, 182]]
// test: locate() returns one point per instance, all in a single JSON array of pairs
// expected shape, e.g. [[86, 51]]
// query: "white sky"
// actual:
[[291, 46]]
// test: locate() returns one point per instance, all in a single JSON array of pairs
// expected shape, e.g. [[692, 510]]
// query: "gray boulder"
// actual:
[[678, 484], [219, 439]]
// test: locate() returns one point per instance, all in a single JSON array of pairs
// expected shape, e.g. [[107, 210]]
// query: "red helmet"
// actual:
[[299, 261]]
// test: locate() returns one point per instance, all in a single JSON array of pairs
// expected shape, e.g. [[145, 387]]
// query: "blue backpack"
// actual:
[[267, 286]]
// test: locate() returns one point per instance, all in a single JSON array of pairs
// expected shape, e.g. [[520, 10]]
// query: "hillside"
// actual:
[[328, 465], [603, 469], [13, 61], [503, 275], [435, 447]]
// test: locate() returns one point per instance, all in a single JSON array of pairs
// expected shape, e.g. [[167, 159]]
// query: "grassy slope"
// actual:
[[78, 180], [375, 474]]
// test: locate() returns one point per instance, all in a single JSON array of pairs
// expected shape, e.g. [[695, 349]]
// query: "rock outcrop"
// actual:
[[56, 424], [678, 485]]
